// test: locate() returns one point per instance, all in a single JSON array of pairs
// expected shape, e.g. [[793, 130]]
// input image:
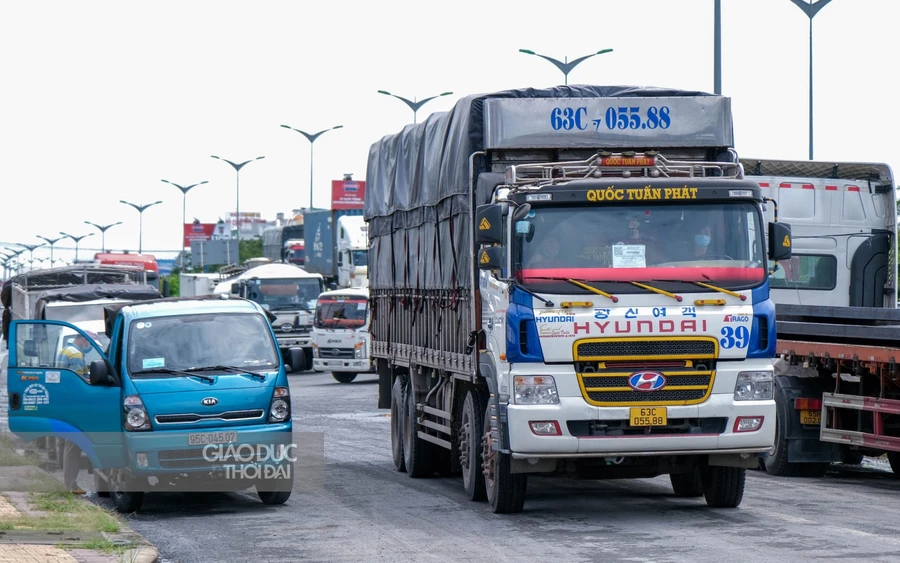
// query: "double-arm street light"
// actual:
[[311, 137], [811, 9], [31, 248], [184, 192], [103, 229], [566, 66], [140, 210], [237, 168], [414, 105], [51, 242], [77, 240]]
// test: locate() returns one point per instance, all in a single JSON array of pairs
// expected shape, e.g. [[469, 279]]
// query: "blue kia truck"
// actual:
[[189, 395]]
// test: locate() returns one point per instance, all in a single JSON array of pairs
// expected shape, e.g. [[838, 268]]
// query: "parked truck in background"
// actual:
[[287, 292], [284, 244], [836, 386], [576, 284], [337, 246], [341, 334], [145, 261], [195, 285]]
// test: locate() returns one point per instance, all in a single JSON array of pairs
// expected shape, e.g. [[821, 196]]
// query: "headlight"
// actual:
[[136, 417], [536, 390], [360, 349], [280, 411], [315, 348], [754, 386]]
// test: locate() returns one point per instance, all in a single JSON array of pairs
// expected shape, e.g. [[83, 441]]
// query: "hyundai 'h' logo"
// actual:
[[209, 401], [647, 381]]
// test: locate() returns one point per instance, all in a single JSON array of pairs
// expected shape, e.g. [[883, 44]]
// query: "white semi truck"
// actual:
[[287, 292], [576, 284], [341, 334]]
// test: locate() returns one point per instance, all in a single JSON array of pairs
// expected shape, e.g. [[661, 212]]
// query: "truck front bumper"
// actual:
[[295, 341], [355, 366]]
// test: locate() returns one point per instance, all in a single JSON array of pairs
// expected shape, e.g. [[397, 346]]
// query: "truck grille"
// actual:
[[607, 384], [195, 458], [331, 353], [191, 417]]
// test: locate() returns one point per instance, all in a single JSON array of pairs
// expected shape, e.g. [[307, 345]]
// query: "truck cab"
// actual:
[[181, 380], [289, 294], [353, 251], [341, 334]]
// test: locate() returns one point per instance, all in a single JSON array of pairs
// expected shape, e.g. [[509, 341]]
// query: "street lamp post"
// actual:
[[184, 192], [566, 66], [414, 105], [77, 240], [103, 229], [311, 137], [811, 9], [237, 168], [31, 248], [140, 210], [51, 242]]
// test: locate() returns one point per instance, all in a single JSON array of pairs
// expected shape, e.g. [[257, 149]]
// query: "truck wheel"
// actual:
[[415, 450], [723, 487], [397, 423], [471, 445], [505, 490], [126, 501], [851, 457], [343, 377], [275, 491], [100, 485], [777, 463], [687, 484]]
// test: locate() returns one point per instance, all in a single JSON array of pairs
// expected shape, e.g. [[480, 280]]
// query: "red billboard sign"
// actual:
[[347, 194], [198, 232]]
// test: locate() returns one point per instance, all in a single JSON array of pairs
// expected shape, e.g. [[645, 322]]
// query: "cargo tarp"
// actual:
[[82, 293], [417, 201]]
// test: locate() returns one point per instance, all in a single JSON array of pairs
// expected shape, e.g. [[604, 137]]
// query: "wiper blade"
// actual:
[[720, 289], [657, 290], [546, 301], [169, 371], [582, 284], [233, 369]]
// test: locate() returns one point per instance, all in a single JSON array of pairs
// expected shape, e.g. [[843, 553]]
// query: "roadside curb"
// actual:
[[143, 554]]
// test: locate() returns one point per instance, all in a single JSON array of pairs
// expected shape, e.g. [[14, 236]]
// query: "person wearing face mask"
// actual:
[[701, 242], [72, 357]]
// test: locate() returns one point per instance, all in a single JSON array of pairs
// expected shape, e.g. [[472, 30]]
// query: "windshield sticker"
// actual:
[[139, 326], [151, 363], [360, 306], [52, 377], [147, 325], [629, 256], [36, 394]]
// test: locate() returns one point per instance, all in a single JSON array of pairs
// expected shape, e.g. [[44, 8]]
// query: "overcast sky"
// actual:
[[102, 100]]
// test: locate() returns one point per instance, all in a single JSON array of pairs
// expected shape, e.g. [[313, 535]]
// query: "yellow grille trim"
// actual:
[[714, 355]]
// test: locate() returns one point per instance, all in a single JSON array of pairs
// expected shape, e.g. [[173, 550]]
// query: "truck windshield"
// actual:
[[153, 279], [360, 257], [286, 294], [190, 341], [341, 313], [715, 243]]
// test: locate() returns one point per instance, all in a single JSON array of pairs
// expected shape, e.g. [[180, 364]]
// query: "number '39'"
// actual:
[[734, 337]]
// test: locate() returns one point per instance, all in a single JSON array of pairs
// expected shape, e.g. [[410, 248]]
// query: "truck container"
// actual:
[[838, 325], [324, 241], [284, 244], [573, 281]]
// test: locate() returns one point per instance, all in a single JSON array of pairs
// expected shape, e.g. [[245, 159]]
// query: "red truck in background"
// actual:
[[145, 261]]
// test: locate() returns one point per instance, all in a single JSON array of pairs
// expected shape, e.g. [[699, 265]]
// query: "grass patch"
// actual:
[[104, 546], [63, 512], [9, 457]]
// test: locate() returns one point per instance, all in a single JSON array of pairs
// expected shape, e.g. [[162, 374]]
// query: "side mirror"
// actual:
[[490, 258], [332, 286], [521, 212], [489, 224], [298, 360], [99, 373], [30, 349], [779, 241], [235, 289]]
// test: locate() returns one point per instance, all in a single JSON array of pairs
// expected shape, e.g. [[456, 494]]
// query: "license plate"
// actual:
[[811, 417], [202, 439], [649, 416]]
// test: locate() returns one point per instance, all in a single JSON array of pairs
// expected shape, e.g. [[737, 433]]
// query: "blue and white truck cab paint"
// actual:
[[182, 381], [341, 334]]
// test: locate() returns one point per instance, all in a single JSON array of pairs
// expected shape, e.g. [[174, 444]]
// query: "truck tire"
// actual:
[[471, 448], [777, 463], [275, 491], [125, 500], [687, 484], [100, 485], [723, 487], [505, 490], [416, 451], [851, 457], [343, 377], [398, 402]]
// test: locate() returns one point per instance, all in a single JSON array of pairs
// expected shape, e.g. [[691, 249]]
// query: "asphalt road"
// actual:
[[369, 512]]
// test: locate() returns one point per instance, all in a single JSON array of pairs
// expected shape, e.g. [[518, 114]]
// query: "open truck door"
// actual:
[[48, 398]]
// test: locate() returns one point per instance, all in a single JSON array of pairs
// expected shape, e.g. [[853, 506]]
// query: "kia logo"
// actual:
[[209, 401]]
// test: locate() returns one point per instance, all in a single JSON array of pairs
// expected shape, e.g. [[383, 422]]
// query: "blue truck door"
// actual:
[[48, 398]]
